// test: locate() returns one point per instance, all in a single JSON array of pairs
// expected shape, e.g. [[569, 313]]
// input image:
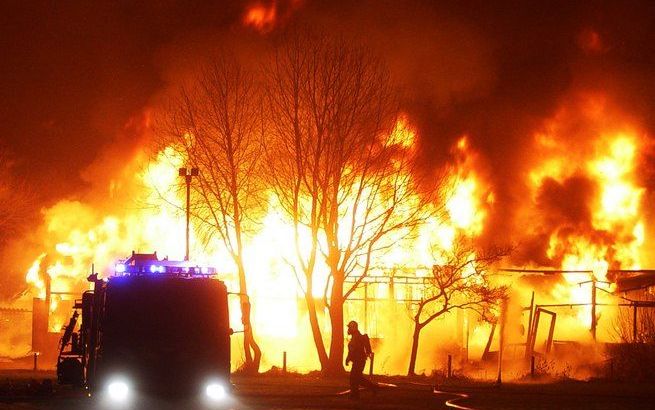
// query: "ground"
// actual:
[[33, 390]]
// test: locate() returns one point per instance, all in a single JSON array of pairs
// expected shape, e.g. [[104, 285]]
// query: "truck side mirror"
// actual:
[[230, 331]]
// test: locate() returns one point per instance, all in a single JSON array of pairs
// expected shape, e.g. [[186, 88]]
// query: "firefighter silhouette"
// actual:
[[359, 349]]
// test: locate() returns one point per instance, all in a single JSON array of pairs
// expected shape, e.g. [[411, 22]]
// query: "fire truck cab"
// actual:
[[154, 328]]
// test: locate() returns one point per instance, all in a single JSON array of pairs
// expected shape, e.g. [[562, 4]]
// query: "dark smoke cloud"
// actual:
[[564, 209], [566, 203], [73, 73], [76, 76]]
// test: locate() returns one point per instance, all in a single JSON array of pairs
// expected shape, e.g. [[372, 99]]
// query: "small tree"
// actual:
[[215, 124], [636, 335], [626, 330], [461, 281]]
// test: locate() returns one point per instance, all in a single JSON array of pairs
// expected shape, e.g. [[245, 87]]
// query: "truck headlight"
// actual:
[[118, 390], [215, 391]]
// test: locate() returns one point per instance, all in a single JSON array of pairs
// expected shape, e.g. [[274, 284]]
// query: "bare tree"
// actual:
[[335, 169], [462, 282], [633, 328], [17, 201], [626, 330], [215, 123]]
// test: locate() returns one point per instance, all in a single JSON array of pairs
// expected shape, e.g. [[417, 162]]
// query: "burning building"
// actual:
[[536, 128]]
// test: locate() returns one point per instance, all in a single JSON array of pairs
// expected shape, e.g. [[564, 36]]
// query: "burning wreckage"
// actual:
[[587, 301], [154, 327], [590, 289], [571, 187]]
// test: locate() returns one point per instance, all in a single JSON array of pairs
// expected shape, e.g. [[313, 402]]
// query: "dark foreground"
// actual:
[[27, 390]]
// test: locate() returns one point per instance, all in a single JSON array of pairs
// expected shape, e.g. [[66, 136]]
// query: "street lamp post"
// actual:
[[187, 173]]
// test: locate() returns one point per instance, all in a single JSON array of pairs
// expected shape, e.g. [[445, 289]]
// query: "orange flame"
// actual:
[[85, 235], [261, 17]]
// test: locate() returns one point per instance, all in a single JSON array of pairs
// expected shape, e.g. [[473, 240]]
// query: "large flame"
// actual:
[[146, 215], [612, 236], [261, 17], [265, 15], [149, 218]]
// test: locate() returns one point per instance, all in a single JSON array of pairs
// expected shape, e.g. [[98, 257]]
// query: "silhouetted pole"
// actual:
[[593, 307], [187, 174], [634, 323], [467, 337], [529, 332], [365, 305], [450, 366], [284, 362], [370, 369], [501, 344]]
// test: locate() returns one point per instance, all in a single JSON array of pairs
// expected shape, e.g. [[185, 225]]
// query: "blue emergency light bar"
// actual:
[[122, 269], [148, 264]]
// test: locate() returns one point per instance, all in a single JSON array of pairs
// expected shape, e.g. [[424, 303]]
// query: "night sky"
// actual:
[[73, 73]]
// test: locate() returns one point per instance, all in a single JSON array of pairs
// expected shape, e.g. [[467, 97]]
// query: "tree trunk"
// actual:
[[414, 352], [249, 344], [335, 366], [251, 349], [316, 330]]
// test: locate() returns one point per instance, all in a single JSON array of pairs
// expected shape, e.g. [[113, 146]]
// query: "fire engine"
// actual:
[[154, 327]]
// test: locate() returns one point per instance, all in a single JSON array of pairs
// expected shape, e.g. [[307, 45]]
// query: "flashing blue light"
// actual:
[[163, 267]]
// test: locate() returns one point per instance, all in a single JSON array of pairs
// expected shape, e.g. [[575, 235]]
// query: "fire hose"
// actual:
[[451, 403]]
